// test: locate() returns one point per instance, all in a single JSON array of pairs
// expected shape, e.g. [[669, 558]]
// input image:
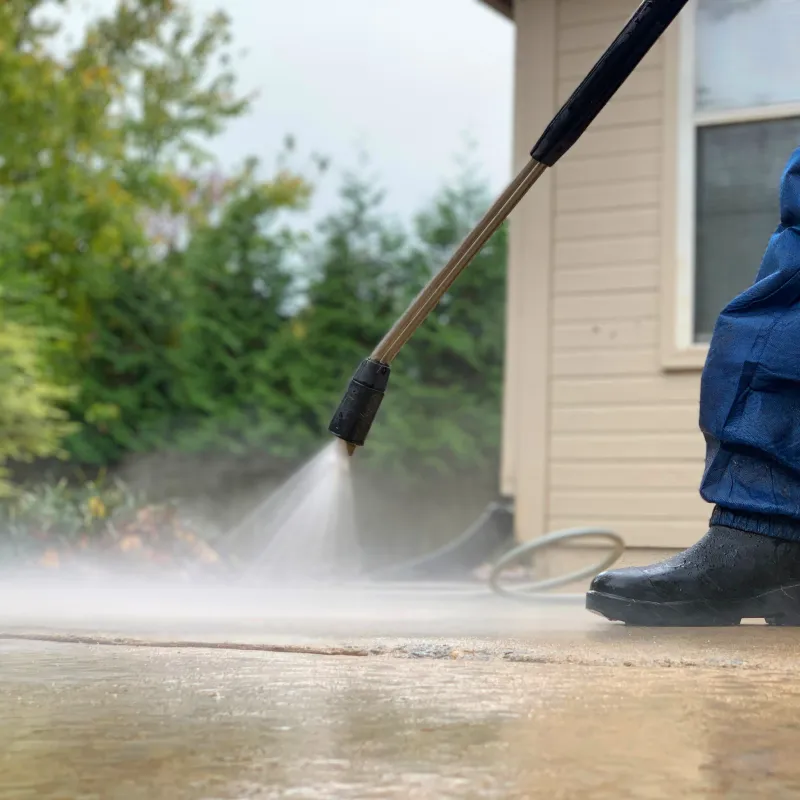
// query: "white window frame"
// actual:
[[679, 348]]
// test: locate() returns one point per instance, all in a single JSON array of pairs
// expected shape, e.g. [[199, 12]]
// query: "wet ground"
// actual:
[[432, 694]]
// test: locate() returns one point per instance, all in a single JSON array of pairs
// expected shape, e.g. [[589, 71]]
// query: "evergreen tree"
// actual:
[[358, 283], [443, 410], [237, 289]]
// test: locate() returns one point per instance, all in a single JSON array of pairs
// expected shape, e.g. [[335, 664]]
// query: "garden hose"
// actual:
[[535, 592], [540, 591]]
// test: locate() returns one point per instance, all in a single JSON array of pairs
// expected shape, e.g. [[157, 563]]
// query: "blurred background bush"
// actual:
[[171, 330]]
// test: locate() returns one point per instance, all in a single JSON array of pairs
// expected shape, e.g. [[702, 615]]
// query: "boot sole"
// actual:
[[777, 607]]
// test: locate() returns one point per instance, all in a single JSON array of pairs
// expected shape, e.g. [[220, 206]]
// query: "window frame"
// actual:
[[679, 349]]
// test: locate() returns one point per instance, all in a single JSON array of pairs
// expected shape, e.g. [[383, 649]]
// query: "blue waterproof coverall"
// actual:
[[750, 393]]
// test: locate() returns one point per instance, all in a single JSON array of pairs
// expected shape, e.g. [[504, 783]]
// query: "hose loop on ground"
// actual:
[[534, 592]]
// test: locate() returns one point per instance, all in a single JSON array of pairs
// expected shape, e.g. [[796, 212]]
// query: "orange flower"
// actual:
[[50, 559], [129, 543]]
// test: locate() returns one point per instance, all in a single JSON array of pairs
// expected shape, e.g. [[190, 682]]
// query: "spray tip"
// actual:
[[356, 412]]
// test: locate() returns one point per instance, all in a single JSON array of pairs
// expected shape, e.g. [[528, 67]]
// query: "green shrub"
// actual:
[[32, 421]]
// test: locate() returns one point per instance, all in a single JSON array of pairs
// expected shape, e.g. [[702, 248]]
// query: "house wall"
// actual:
[[598, 430]]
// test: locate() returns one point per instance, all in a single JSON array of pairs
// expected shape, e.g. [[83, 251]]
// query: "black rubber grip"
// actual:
[[644, 28]]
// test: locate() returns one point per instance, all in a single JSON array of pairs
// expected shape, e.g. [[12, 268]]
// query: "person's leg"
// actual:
[[748, 564]]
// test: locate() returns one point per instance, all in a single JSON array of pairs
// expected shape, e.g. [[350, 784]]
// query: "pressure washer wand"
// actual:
[[356, 413]]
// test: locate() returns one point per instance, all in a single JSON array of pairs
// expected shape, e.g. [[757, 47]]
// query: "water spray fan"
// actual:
[[359, 406]]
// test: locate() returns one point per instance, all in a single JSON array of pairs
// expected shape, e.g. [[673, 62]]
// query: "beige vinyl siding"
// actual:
[[623, 447], [526, 406]]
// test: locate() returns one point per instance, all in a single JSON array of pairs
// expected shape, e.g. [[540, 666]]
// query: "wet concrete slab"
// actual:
[[424, 621], [116, 722], [148, 692]]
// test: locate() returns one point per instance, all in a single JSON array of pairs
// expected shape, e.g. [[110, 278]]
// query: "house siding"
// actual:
[[623, 449]]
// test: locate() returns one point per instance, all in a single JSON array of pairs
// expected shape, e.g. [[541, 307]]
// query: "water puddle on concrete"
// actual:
[[122, 723]]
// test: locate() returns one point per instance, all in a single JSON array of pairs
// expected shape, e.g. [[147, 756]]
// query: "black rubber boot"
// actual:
[[728, 576]]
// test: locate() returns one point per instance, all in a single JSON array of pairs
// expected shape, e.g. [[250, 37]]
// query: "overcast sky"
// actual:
[[406, 81]]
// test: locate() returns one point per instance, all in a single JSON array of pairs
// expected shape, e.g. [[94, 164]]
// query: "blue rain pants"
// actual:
[[750, 391]]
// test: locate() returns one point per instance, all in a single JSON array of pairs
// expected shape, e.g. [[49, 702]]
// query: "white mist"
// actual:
[[306, 529]]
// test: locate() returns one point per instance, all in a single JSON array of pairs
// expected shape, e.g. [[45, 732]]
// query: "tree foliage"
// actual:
[[443, 412], [180, 309], [32, 424]]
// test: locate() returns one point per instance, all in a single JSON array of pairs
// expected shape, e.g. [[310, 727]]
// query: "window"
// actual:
[[745, 122]]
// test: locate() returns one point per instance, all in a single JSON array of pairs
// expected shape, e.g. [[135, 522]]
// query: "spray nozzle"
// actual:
[[360, 403]]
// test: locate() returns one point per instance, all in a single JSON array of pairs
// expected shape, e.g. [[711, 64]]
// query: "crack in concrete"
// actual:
[[106, 641], [436, 651]]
